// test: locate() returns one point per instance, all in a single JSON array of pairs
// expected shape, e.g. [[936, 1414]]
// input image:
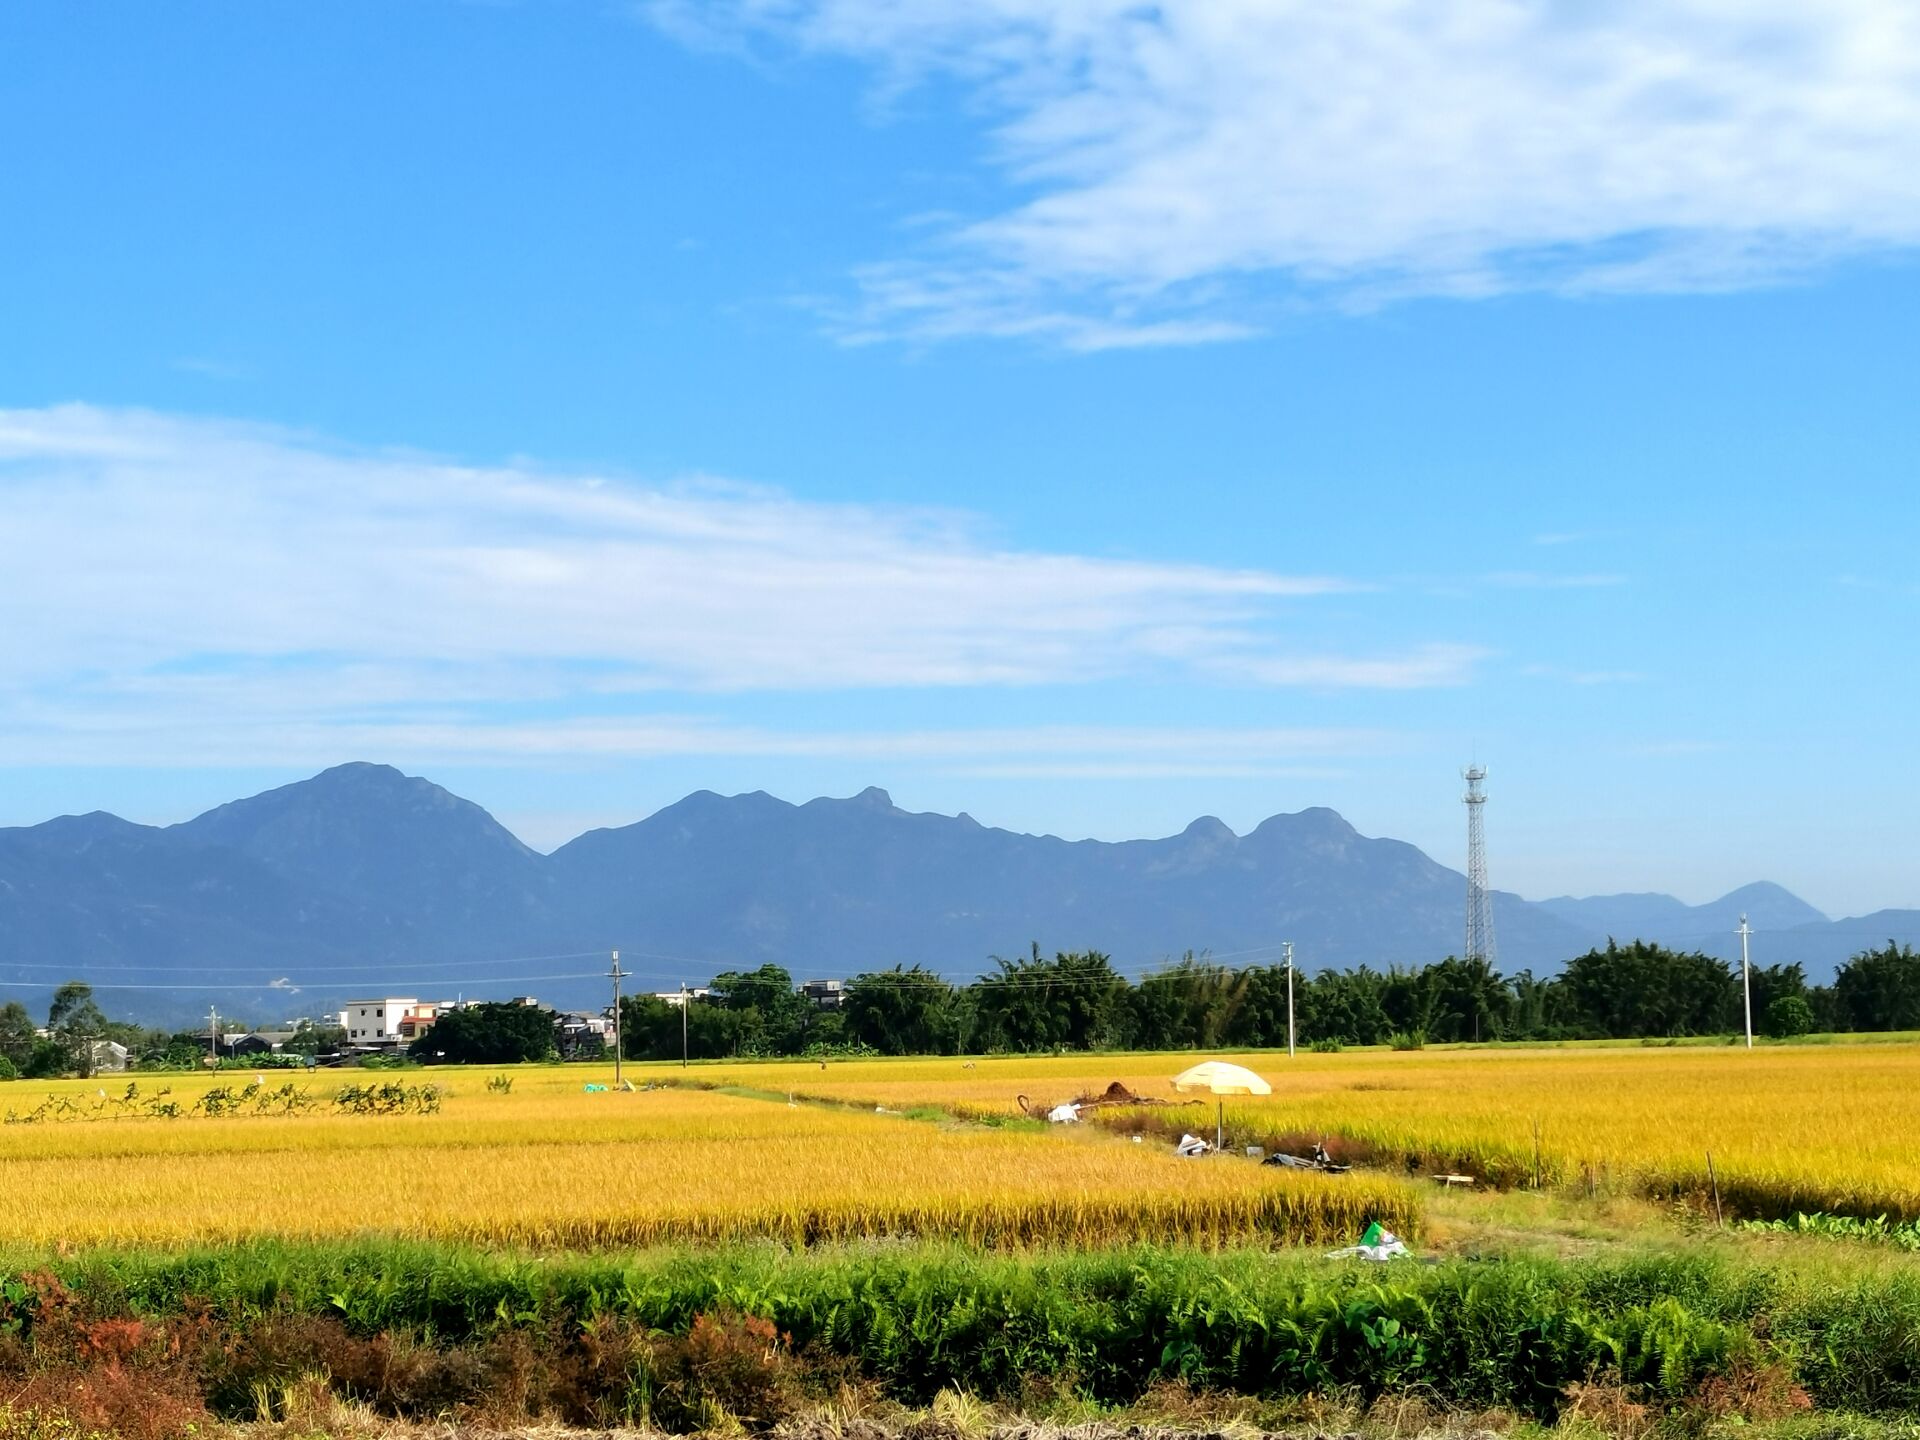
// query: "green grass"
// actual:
[[1512, 1333]]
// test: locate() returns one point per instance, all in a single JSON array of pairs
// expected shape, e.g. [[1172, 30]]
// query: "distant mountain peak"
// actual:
[[872, 798], [80, 831], [1209, 827], [1772, 905], [1316, 821], [364, 770], [359, 820], [1768, 907]]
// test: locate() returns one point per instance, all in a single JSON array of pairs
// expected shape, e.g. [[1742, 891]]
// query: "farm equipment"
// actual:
[[1315, 1159]]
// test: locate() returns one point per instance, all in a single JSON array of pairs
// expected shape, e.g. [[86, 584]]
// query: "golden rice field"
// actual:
[[1815, 1127], [551, 1165]]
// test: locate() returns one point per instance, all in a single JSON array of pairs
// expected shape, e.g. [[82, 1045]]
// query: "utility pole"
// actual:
[[1289, 945], [213, 1034], [1746, 976], [683, 1024], [617, 1055]]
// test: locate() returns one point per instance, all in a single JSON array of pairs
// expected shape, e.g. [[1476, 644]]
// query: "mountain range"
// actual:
[[364, 880]]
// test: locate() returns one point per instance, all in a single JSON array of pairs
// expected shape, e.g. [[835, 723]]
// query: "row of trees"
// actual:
[[1078, 1001], [76, 1025], [490, 1033], [487, 1033]]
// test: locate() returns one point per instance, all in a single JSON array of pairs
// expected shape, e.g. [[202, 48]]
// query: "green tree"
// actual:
[[1343, 1006], [1259, 1015], [714, 1032], [489, 1033], [17, 1034], [1466, 1000], [1407, 1001], [1540, 1009], [181, 1051], [1769, 983], [643, 1025], [772, 1017], [902, 1011], [1825, 1006], [651, 1028], [74, 1022], [1880, 989], [1186, 1006], [1787, 1016], [1075, 1001], [1644, 989]]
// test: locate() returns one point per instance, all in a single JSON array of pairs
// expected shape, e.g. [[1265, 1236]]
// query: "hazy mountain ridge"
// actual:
[[364, 878], [1767, 907]]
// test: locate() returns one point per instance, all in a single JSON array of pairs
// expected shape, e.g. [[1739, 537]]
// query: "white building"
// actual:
[[827, 994], [377, 1022]]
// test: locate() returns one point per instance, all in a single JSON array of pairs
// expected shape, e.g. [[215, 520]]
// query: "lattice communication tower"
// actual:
[[1479, 897]]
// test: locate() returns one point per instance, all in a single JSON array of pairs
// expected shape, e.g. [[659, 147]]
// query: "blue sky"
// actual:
[[1085, 415]]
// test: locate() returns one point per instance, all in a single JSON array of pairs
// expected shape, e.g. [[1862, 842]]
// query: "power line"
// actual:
[[410, 965], [303, 987]]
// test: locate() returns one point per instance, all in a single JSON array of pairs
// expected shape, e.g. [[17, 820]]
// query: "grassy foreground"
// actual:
[[679, 1338]]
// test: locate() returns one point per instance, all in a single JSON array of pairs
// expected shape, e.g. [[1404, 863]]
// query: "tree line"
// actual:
[[66, 1044], [1078, 1001]]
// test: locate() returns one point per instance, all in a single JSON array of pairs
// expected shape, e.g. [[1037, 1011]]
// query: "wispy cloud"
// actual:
[[1547, 580], [1572, 676], [212, 577], [178, 731], [1169, 155], [1427, 666]]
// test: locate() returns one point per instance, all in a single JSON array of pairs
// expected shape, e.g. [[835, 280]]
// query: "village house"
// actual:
[[388, 1022], [257, 1042]]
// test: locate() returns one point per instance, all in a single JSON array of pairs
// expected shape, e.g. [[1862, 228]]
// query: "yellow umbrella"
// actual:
[[1217, 1077]]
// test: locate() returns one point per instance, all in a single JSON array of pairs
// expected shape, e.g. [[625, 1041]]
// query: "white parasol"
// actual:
[[1217, 1077]]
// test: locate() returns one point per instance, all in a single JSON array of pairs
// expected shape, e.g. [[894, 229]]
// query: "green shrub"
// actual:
[[1788, 1016], [682, 1334]]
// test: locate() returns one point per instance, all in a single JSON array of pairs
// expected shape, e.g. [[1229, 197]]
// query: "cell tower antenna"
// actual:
[[1479, 897]]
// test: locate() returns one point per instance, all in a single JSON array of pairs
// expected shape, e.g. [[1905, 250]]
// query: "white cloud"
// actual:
[[1430, 665], [1377, 148], [1584, 677], [1541, 580], [179, 731], [192, 579]]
